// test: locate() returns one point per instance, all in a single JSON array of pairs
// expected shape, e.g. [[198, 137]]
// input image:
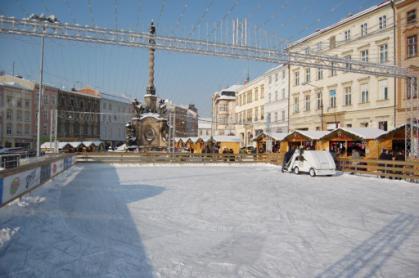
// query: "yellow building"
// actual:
[[407, 33], [250, 110], [325, 99]]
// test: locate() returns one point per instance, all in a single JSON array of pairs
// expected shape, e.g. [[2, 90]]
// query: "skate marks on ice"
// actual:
[[85, 229], [367, 258]]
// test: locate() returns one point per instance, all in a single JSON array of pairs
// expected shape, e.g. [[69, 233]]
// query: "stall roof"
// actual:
[[360, 132], [221, 138], [278, 136], [51, 145], [312, 135], [396, 129]]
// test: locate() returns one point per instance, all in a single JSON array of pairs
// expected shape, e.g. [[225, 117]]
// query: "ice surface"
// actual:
[[204, 221]]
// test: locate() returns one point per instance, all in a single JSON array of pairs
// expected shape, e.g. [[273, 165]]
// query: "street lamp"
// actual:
[[45, 19]]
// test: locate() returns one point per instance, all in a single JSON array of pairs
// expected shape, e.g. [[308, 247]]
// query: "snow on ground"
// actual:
[[204, 221]]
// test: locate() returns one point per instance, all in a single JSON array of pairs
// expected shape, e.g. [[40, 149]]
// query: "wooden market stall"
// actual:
[[180, 142], [308, 140], [223, 143], [394, 140], [349, 142], [269, 141]]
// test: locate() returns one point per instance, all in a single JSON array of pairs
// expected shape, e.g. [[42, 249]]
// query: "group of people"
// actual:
[[391, 155]]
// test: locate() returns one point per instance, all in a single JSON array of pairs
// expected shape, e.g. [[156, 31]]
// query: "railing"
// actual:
[[407, 170], [18, 181], [112, 157]]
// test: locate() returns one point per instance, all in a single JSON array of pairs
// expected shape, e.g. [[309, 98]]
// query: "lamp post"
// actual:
[[49, 19]]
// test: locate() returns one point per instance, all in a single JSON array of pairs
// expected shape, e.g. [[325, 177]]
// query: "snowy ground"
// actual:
[[207, 221]]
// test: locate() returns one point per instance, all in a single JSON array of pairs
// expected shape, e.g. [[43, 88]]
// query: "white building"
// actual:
[[204, 127], [276, 100], [223, 106], [326, 99], [115, 112], [250, 113], [15, 115]]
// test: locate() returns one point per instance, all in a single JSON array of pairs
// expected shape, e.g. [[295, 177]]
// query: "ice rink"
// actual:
[[211, 221]]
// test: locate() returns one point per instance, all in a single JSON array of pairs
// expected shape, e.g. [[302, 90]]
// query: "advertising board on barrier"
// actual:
[[68, 161], [57, 167], [16, 184], [45, 173]]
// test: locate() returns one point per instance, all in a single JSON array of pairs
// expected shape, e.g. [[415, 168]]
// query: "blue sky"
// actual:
[[182, 78]]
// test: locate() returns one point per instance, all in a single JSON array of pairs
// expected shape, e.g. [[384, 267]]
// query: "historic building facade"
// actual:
[[407, 33], [326, 99], [78, 116], [223, 111], [276, 100], [185, 119], [250, 113], [15, 115], [115, 113]]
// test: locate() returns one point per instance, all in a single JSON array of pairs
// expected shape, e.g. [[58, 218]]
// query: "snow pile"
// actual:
[[25, 201], [6, 234]]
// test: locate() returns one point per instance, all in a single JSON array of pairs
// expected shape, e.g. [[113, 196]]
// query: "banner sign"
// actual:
[[16, 184], [68, 161], [45, 173], [57, 167]]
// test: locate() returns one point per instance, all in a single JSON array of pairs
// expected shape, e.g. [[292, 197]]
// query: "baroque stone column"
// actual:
[[150, 98]]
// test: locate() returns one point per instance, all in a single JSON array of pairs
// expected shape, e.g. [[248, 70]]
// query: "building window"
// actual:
[[319, 74], [308, 75], [269, 97], [283, 115], [9, 129], [249, 96], [332, 42], [276, 96], [364, 124], [9, 100], [382, 125], [364, 94], [296, 78], [348, 96], [262, 112], [276, 77], [270, 79], [348, 65], [412, 47], [268, 117], [333, 71], [332, 98], [364, 55], [283, 93], [27, 116], [307, 50], [256, 114], [383, 87], [276, 117], [383, 53], [347, 35], [319, 100], [411, 16], [19, 103], [9, 115], [307, 103], [283, 74], [296, 104], [382, 22], [364, 29], [27, 103], [262, 91], [19, 115], [256, 94]]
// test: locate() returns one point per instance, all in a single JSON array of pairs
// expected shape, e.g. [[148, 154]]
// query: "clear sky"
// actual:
[[183, 78]]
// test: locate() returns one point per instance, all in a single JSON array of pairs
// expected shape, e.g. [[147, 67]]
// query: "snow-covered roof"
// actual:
[[222, 138], [51, 145], [279, 67], [361, 132], [16, 86], [312, 135], [337, 24], [153, 115], [278, 136], [395, 130], [232, 88]]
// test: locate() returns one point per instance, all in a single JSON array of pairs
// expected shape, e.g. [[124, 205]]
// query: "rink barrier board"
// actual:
[[17, 182]]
